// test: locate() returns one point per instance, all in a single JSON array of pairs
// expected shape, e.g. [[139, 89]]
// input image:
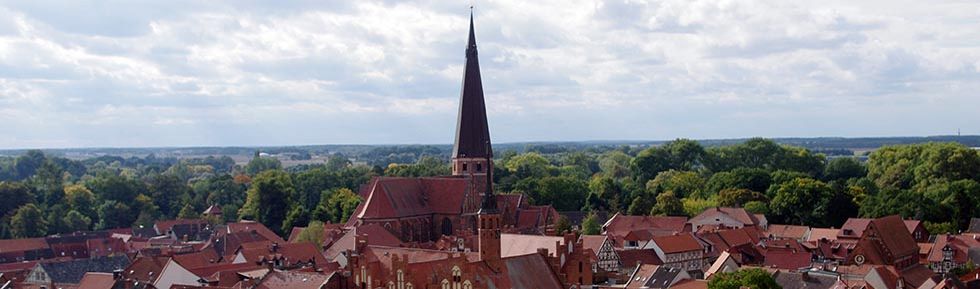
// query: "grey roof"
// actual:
[[796, 280], [662, 277], [974, 226], [72, 271]]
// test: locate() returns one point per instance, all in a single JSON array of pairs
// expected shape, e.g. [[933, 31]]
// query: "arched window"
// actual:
[[447, 227], [445, 284], [409, 286], [467, 285], [391, 285], [401, 279], [457, 277]]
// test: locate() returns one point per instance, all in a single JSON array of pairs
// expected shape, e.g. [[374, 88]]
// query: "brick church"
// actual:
[[461, 210], [425, 209]]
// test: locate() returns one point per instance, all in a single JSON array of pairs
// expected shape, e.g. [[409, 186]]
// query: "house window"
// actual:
[[464, 167], [479, 167]]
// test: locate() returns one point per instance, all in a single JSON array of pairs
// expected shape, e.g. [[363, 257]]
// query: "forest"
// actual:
[[936, 182]]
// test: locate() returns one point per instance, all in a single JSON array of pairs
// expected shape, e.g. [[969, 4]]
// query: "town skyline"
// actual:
[[192, 74]]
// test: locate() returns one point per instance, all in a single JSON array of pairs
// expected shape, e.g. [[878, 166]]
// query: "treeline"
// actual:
[[46, 195], [933, 182]]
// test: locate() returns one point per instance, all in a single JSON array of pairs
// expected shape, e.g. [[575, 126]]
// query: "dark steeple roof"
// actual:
[[489, 205], [472, 133]]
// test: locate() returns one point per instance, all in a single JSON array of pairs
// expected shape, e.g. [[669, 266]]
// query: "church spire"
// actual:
[[489, 204], [472, 132]]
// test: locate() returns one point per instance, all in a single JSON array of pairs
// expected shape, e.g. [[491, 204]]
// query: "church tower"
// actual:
[[489, 222], [471, 150]]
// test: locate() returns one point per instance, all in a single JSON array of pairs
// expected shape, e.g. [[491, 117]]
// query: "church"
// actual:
[[451, 227], [425, 209]]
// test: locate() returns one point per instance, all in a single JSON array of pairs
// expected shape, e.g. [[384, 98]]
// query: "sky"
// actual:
[[245, 73]]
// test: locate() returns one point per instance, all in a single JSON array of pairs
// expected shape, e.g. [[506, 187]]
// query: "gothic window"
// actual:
[[445, 284], [391, 285], [409, 286], [401, 279], [447, 227], [457, 277], [467, 285]]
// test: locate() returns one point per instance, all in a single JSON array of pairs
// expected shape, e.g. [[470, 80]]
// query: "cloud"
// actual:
[[131, 73]]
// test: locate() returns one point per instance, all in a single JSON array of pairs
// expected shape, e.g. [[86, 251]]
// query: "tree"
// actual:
[[117, 188], [14, 195], [802, 201], [297, 217], [28, 222], [681, 154], [756, 207], [668, 205], [75, 221], [615, 164], [336, 206], [426, 166], [562, 225], [682, 183], [310, 184], [590, 225], [313, 233], [260, 164], [114, 214], [81, 200], [563, 193], [961, 202], [753, 179], [747, 278], [27, 164], [603, 190], [188, 212], [528, 165], [269, 199], [694, 206], [738, 197], [168, 191], [843, 169]]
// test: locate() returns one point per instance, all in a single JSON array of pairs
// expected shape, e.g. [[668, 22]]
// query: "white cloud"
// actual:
[[233, 73]]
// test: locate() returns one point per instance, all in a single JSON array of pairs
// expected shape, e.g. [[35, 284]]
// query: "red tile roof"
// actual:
[[678, 243], [96, 280], [293, 280], [630, 258], [620, 225], [165, 226], [20, 245], [291, 252], [146, 269], [960, 244], [197, 259], [738, 214], [259, 228], [788, 231], [517, 245], [376, 235], [822, 233], [396, 197]]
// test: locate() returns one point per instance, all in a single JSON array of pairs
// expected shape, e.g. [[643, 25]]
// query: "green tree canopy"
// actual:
[[668, 205], [269, 199], [681, 183], [802, 201], [28, 222], [746, 278]]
